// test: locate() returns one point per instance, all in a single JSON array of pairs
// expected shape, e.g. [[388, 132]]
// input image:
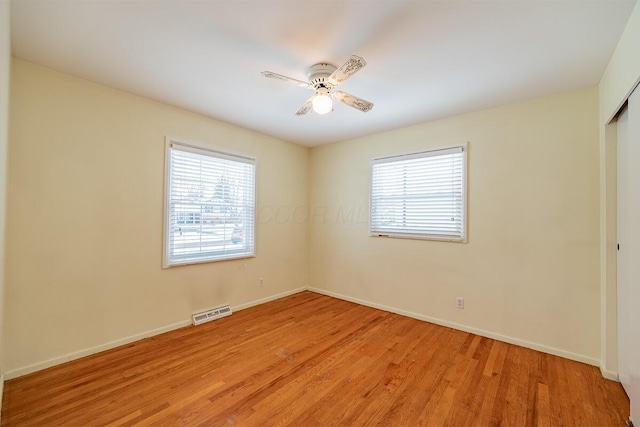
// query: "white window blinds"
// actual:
[[420, 195], [210, 205]]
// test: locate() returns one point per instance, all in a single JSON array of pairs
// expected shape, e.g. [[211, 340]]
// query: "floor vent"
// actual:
[[213, 314]]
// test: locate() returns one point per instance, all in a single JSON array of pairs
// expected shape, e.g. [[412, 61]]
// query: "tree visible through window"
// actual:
[[420, 195], [210, 205]]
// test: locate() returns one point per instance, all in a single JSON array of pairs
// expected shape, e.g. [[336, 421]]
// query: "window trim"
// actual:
[[418, 154], [196, 147]]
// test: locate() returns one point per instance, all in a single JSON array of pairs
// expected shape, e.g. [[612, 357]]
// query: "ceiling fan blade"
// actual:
[[306, 107], [352, 101], [277, 76], [347, 69]]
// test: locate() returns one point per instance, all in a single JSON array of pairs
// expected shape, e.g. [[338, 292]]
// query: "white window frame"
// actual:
[[419, 154], [195, 147]]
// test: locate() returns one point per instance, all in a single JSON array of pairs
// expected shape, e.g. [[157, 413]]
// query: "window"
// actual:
[[210, 205], [420, 195]]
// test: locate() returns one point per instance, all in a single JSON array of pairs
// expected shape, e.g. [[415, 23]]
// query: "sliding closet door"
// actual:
[[629, 252]]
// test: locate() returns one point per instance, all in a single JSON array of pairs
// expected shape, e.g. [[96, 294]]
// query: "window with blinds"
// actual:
[[420, 195], [210, 205]]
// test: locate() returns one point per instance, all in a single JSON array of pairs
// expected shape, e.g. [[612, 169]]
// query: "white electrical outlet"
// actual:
[[260, 282], [459, 302]]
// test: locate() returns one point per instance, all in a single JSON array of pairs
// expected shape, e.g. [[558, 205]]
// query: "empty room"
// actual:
[[309, 213]]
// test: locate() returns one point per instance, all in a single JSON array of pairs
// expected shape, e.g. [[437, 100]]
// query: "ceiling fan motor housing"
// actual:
[[319, 74]]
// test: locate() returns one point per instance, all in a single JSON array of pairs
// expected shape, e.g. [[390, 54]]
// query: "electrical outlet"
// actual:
[[459, 302], [260, 282]]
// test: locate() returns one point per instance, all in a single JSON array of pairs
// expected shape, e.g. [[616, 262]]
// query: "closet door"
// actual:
[[629, 251]]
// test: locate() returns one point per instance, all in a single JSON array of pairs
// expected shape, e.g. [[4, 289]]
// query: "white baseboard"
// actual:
[[481, 332], [15, 373], [610, 375], [269, 298]]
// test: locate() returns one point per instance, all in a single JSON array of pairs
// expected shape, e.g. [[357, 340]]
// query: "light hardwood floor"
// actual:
[[311, 360]]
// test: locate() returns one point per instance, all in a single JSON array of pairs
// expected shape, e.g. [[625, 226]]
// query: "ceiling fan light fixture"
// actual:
[[322, 104], [324, 78]]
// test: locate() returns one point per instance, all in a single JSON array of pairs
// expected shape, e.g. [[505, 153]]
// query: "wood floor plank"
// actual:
[[544, 415], [308, 360]]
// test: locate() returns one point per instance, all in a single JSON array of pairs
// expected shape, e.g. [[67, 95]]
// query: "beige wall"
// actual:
[[623, 70], [5, 61], [85, 200], [529, 273], [617, 83]]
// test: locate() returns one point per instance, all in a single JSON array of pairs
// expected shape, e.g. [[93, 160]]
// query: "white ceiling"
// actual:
[[426, 59]]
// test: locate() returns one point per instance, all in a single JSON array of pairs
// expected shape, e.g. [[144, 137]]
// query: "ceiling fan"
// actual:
[[323, 78]]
